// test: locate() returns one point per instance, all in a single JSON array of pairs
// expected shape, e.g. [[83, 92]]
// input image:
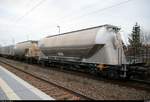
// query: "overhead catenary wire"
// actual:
[[64, 17], [100, 10], [75, 18], [73, 11], [27, 13], [70, 13], [96, 11], [33, 8]]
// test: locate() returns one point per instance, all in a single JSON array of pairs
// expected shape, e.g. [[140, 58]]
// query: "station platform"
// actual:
[[14, 88]]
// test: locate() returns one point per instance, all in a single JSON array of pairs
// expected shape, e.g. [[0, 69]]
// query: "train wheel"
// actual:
[[112, 74]]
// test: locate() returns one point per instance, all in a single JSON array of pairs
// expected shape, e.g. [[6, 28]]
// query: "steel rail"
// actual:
[[59, 86]]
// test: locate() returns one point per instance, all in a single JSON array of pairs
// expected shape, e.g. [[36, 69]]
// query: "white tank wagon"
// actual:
[[7, 51], [27, 50], [98, 46], [93, 45]]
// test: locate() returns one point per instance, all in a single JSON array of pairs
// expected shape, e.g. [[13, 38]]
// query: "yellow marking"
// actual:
[[8, 91], [102, 66]]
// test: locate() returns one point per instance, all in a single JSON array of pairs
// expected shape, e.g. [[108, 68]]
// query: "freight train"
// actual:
[[97, 50]]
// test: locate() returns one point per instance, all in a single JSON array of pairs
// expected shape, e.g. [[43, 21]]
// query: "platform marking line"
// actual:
[[8, 91], [35, 90]]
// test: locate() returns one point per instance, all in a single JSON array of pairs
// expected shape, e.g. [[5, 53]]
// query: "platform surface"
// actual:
[[14, 88]]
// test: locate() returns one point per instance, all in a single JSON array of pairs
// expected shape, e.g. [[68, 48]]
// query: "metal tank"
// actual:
[[7, 50], [26, 48], [101, 44]]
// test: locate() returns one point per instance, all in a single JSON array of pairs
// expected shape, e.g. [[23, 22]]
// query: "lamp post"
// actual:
[[58, 28]]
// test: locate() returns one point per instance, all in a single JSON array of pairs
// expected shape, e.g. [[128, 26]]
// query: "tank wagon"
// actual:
[[7, 51], [97, 48], [27, 50]]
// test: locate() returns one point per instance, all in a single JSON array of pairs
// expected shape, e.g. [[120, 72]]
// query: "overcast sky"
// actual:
[[34, 19]]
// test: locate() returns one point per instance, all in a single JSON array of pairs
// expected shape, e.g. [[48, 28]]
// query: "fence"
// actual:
[[138, 54]]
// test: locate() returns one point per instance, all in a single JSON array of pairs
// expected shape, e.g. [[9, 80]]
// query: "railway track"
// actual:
[[136, 84], [141, 81], [144, 84], [100, 78], [131, 83], [56, 91]]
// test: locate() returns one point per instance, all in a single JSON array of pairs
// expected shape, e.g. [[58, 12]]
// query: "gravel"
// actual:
[[99, 90]]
